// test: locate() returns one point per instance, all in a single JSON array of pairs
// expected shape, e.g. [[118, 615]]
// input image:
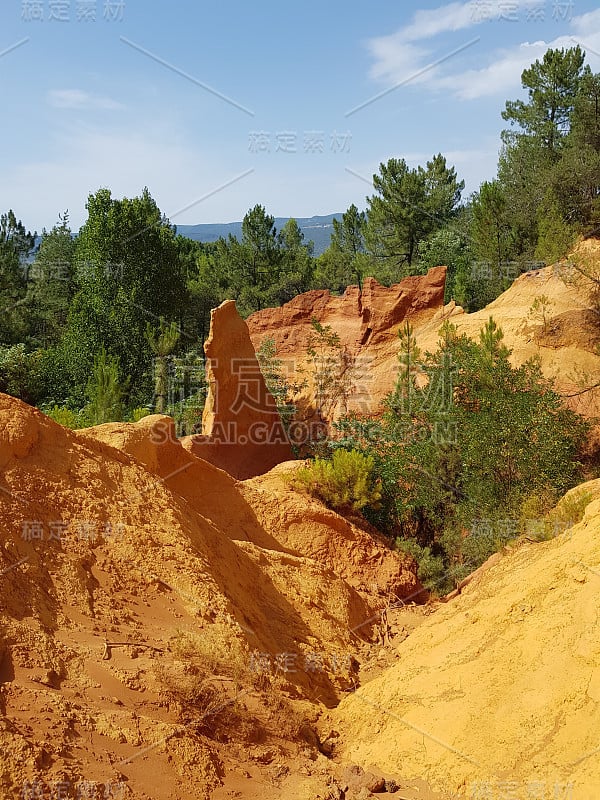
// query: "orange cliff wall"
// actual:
[[367, 322]]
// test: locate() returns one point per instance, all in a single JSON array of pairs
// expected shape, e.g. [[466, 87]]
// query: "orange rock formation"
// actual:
[[241, 428], [367, 323], [362, 318]]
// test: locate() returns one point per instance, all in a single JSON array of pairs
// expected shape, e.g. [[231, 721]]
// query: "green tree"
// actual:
[[345, 261], [105, 391], [490, 340], [491, 230], [549, 169], [16, 243], [585, 117], [410, 365], [408, 206], [525, 170], [552, 85], [249, 268], [187, 392], [129, 273], [494, 243], [266, 267], [204, 291], [51, 284], [555, 235], [452, 247], [296, 264], [163, 341], [22, 372], [577, 178]]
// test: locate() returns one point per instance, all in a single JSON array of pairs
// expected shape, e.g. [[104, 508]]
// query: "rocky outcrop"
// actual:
[[264, 510], [566, 345], [366, 320], [367, 323], [242, 431], [361, 318]]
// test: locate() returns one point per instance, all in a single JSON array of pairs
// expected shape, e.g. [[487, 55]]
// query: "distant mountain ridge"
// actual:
[[317, 229]]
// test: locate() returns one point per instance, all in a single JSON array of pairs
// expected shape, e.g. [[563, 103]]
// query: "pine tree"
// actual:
[[409, 204], [105, 391], [409, 358], [163, 342], [16, 243]]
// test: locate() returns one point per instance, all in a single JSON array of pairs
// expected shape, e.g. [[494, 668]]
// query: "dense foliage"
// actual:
[[465, 438], [546, 193]]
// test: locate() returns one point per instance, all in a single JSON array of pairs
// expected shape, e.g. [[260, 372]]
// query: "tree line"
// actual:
[[112, 319]]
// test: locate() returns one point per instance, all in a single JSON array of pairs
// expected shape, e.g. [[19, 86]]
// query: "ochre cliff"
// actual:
[[147, 602], [366, 320], [367, 323]]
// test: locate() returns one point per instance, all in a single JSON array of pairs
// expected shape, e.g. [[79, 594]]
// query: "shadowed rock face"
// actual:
[[241, 428], [115, 543]]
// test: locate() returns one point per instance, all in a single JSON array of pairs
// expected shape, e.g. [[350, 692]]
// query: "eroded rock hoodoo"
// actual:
[[242, 432]]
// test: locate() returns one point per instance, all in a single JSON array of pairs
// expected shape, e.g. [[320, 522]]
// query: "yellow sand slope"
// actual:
[[500, 689]]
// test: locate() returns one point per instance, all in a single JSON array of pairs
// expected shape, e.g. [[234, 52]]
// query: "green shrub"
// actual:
[[187, 392], [570, 509], [466, 457], [105, 390], [21, 372], [537, 504], [346, 482], [432, 571], [275, 378], [480, 544], [67, 417], [139, 413], [534, 515], [187, 414], [541, 519]]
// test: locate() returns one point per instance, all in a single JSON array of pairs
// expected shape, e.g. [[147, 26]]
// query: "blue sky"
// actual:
[[219, 106]]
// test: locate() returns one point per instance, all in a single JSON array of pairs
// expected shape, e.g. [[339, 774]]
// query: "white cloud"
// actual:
[[586, 31], [78, 100], [504, 74], [500, 76], [452, 17], [396, 61], [397, 57], [427, 23], [587, 23]]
